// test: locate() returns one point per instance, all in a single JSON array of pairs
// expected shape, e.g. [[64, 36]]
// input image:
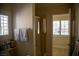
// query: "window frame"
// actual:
[[68, 28], [7, 24], [60, 28]]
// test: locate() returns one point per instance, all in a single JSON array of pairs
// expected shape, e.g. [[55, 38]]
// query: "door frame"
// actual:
[[72, 38], [72, 30]]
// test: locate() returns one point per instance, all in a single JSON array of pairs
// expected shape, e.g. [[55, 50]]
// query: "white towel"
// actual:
[[16, 34], [20, 34], [23, 34]]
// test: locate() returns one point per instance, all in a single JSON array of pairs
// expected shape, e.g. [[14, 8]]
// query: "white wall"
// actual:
[[23, 18]]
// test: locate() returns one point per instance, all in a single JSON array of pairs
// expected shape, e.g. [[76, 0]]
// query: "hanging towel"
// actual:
[[23, 34], [16, 34], [20, 34]]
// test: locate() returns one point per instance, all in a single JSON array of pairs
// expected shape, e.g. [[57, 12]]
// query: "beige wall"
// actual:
[[52, 8], [23, 18]]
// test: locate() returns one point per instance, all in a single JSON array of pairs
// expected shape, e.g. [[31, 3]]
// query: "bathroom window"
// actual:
[[65, 27], [56, 27], [61, 27], [3, 25]]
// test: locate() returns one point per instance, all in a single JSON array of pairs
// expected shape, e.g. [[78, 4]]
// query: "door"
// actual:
[[37, 36], [61, 34]]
